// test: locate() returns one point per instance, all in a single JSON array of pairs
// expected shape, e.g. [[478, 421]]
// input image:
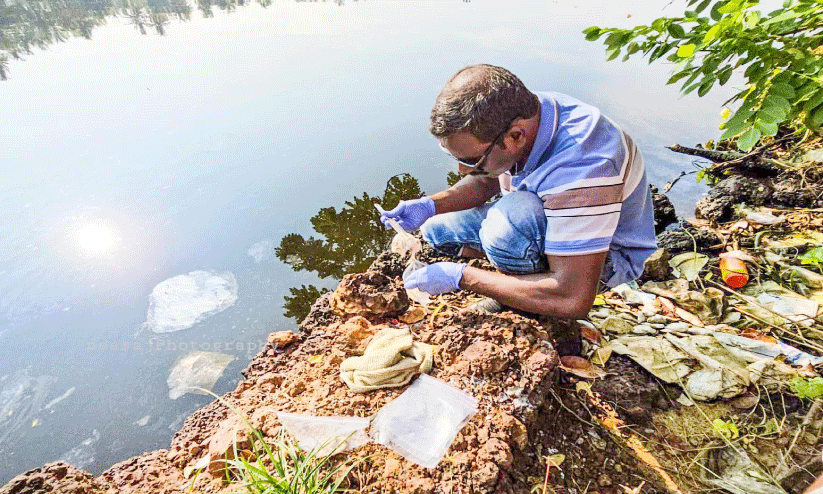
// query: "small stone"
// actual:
[[677, 326], [604, 480], [657, 326], [195, 449], [644, 329], [617, 325], [601, 313], [282, 339], [657, 319], [640, 317]]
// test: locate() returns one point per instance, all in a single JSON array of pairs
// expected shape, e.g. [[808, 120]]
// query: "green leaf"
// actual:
[[812, 256], [688, 264], [686, 51], [812, 102], [715, 13], [749, 139], [778, 101], [783, 90], [771, 114], [723, 75], [676, 77], [706, 85], [702, 6], [711, 34], [730, 7], [789, 14], [676, 30], [612, 53], [767, 128], [816, 117], [592, 33], [808, 388]]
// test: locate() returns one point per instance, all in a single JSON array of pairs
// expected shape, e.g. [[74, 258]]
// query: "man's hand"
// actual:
[[437, 278], [410, 214]]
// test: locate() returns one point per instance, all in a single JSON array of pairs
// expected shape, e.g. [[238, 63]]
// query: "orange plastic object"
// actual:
[[734, 272]]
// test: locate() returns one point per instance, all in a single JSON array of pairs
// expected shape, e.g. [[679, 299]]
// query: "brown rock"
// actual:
[[495, 450], [657, 266], [58, 477], [393, 467], [356, 333], [413, 315], [486, 477], [231, 431], [282, 339], [484, 357], [419, 485], [369, 294]]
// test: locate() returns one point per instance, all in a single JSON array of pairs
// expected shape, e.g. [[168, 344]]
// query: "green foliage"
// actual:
[[292, 471], [351, 239], [299, 301], [813, 257], [727, 429], [452, 178], [780, 51], [808, 388]]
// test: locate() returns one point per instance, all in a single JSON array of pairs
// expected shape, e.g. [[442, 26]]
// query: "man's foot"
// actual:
[[486, 305]]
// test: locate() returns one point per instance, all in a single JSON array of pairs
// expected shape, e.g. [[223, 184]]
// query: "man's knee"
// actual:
[[515, 220]]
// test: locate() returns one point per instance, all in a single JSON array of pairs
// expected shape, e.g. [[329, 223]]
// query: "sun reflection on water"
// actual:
[[96, 238]]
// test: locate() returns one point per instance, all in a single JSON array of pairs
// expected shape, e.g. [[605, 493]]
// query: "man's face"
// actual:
[[464, 146]]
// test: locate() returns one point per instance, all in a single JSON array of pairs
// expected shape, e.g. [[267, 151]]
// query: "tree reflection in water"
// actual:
[[351, 239], [28, 24]]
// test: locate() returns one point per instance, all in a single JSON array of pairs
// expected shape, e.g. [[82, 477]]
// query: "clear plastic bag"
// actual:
[[421, 298], [421, 423], [325, 435]]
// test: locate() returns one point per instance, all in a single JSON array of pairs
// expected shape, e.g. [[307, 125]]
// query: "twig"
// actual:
[[722, 158]]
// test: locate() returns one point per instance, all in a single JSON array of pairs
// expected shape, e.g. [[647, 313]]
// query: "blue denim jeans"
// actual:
[[510, 231]]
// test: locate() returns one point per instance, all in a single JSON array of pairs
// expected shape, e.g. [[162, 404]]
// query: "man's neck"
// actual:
[[532, 126]]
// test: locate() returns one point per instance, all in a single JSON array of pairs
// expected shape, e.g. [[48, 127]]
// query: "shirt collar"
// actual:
[[545, 132]]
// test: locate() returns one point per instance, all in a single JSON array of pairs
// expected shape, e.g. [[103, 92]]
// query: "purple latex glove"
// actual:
[[410, 214], [440, 277]]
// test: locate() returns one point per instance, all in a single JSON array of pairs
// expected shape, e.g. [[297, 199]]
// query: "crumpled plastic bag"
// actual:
[[196, 372], [733, 471], [325, 436]]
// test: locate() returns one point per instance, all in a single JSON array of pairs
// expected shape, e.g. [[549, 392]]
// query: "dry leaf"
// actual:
[[315, 359], [688, 264], [667, 306], [555, 460], [688, 317], [745, 402], [636, 490], [581, 367], [591, 334], [601, 356]]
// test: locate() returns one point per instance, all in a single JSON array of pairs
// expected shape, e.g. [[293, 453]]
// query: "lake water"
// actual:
[[146, 179]]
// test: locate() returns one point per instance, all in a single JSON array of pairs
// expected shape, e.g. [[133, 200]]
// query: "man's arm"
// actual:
[[471, 191], [566, 290]]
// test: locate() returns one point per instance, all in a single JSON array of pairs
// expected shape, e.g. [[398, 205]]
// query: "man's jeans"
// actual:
[[510, 231]]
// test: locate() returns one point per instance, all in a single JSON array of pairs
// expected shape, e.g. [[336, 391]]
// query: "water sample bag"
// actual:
[[421, 423]]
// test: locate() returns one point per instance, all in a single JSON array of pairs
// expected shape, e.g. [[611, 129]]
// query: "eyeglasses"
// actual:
[[476, 164]]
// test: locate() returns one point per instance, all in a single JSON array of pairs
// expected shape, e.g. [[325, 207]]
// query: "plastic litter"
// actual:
[[733, 271], [405, 243], [196, 372], [732, 470], [764, 218], [800, 310], [757, 349], [325, 435], [421, 423]]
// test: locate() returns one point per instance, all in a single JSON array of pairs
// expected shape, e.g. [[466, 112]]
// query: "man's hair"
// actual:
[[483, 100]]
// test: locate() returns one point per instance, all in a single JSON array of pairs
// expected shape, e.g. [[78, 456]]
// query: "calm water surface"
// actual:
[[148, 172]]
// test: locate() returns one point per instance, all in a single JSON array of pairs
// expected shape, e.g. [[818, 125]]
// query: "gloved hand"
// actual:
[[410, 214], [440, 277]]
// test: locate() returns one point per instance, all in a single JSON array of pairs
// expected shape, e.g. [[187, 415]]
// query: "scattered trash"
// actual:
[[196, 372], [325, 435], [731, 469], [733, 271], [391, 359], [182, 301], [421, 423], [707, 306], [764, 218]]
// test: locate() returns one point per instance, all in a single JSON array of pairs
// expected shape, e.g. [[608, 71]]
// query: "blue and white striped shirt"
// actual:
[[592, 180]]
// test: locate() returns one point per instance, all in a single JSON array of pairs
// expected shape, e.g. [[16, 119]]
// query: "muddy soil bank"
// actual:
[[537, 422]]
